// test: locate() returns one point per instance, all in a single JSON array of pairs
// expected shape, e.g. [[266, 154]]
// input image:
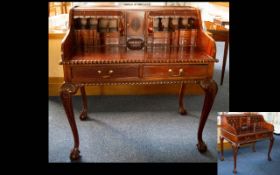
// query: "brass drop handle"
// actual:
[[181, 72], [170, 70], [110, 71], [109, 74]]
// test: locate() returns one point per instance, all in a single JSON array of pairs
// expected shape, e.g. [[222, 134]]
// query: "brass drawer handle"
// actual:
[[109, 74], [181, 72], [110, 71]]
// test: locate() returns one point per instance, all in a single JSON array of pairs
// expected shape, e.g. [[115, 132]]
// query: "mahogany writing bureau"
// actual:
[[240, 129], [136, 46]]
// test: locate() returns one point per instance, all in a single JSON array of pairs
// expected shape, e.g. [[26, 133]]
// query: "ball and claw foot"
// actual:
[[222, 159], [83, 115], [201, 146], [182, 111], [269, 158], [234, 171], [75, 154]]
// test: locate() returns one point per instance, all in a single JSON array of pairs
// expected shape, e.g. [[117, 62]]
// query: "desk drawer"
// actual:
[[175, 71], [105, 72], [247, 138], [263, 135]]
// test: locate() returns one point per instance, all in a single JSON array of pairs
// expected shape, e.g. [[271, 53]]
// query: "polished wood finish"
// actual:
[[182, 110], [235, 151], [83, 115], [156, 89], [241, 129], [222, 147], [270, 147], [67, 90], [133, 57], [210, 87]]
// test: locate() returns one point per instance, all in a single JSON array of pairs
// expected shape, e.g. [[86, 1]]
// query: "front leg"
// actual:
[[83, 115], [235, 148], [66, 92], [210, 88], [182, 110], [270, 147], [222, 147]]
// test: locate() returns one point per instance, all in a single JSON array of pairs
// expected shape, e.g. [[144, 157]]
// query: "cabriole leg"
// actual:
[[66, 92], [222, 147], [270, 147], [210, 88], [182, 110], [83, 115], [235, 151]]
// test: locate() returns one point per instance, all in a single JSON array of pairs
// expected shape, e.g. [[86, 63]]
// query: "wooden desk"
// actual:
[[122, 46], [241, 129], [219, 33]]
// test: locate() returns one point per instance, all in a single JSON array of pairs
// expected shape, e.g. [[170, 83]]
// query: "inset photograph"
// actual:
[[248, 143]]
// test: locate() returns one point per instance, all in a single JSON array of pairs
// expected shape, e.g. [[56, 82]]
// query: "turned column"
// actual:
[[182, 110], [83, 115], [66, 92], [210, 88]]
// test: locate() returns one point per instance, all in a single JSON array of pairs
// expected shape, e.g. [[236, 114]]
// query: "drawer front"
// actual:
[[175, 71], [263, 135], [84, 73], [247, 138]]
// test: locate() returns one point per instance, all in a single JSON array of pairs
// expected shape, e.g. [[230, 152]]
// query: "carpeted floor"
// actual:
[[253, 163], [138, 128]]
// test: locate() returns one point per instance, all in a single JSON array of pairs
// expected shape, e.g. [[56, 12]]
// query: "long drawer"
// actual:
[[247, 138], [263, 135], [175, 71], [108, 72]]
